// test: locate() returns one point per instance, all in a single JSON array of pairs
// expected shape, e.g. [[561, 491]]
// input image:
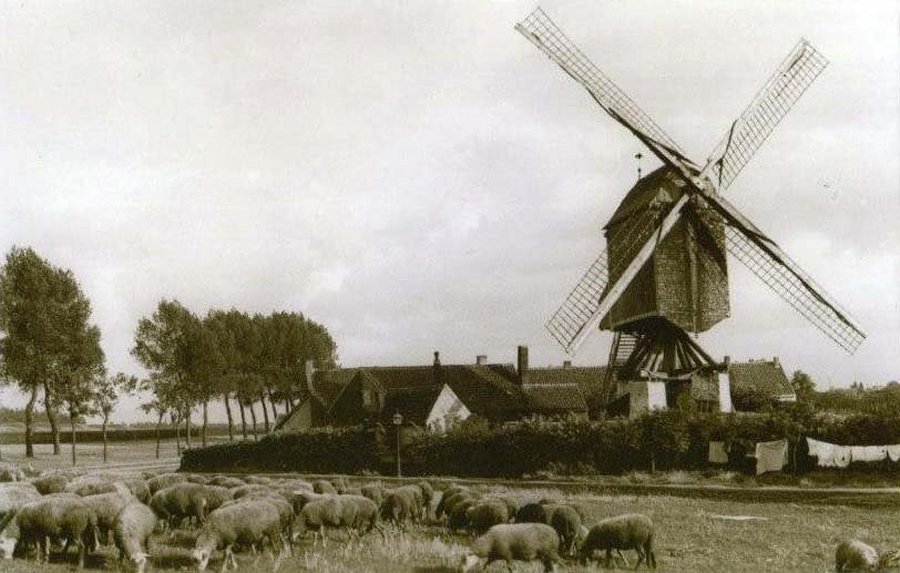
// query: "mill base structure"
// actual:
[[653, 363]]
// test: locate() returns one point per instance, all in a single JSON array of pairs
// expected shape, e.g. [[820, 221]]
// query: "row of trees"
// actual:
[[49, 347], [51, 351], [253, 361]]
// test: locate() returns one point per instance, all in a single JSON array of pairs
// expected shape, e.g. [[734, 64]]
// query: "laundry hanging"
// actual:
[[717, 453], [771, 456]]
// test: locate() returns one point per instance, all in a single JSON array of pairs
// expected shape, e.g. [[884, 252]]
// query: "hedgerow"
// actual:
[[666, 440]]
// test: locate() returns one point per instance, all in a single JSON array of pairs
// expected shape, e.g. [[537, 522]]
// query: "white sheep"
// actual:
[[630, 531], [854, 555], [106, 506], [249, 522], [132, 530], [514, 542]]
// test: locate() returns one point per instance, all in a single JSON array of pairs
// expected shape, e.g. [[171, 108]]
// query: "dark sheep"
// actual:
[[486, 513], [632, 531], [446, 506], [458, 519], [58, 518], [567, 523], [397, 508]]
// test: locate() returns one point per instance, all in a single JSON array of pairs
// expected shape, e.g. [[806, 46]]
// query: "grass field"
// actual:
[[693, 534]]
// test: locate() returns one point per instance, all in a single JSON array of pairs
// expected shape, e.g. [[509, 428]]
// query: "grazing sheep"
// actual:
[[90, 485], [366, 512], [375, 492], [245, 489], [61, 517], [11, 473], [215, 496], [349, 490], [514, 542], [486, 513], [535, 512], [458, 519], [258, 480], [249, 522], [180, 501], [106, 506], [50, 484], [295, 484], [164, 480], [226, 481], [631, 531], [329, 511], [197, 478], [567, 523], [323, 486], [427, 499], [132, 530], [446, 506], [397, 507], [9, 534], [15, 494], [138, 489], [854, 555]]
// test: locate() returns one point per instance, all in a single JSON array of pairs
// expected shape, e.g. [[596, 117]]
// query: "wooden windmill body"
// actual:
[[664, 273]]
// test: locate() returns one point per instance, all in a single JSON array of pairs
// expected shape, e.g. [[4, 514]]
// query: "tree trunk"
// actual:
[[262, 402], [253, 417], [187, 428], [177, 436], [288, 407], [243, 419], [205, 424], [230, 418], [158, 424], [51, 416], [105, 422], [274, 409], [72, 425], [29, 422]]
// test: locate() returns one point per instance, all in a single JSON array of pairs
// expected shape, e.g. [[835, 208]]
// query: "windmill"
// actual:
[[663, 273]]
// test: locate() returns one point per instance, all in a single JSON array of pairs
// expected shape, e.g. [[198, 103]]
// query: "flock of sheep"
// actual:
[[253, 512]]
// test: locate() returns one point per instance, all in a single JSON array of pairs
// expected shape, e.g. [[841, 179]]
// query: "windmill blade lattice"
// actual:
[[571, 318], [541, 31], [773, 101], [789, 281]]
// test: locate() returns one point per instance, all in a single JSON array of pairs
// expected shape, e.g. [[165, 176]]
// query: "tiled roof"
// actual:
[[413, 403], [489, 391], [553, 398], [397, 377], [760, 375], [328, 384]]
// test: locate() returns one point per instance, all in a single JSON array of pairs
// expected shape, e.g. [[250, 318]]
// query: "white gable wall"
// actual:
[[447, 410]]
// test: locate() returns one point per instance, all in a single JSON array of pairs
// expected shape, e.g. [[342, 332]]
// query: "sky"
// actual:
[[418, 177]]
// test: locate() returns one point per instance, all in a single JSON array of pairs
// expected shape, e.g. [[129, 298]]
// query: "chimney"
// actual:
[[775, 361], [523, 365], [436, 374], [567, 363], [480, 360]]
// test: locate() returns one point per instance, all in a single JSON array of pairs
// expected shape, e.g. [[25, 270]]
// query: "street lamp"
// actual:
[[398, 420]]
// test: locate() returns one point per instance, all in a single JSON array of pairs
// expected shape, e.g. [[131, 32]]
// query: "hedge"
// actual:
[[665, 440], [344, 450]]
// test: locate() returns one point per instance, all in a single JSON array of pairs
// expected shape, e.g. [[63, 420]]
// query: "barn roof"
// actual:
[[328, 384], [766, 376]]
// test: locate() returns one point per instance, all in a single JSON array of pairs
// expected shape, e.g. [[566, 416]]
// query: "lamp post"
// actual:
[[398, 421]]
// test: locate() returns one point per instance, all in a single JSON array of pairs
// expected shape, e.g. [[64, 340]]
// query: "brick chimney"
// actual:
[[775, 361], [523, 365], [567, 363], [480, 360]]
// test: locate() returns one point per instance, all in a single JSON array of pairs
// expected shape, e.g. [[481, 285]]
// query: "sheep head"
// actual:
[[469, 562], [201, 558]]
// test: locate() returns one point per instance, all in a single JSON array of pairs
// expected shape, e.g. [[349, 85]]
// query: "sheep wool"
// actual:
[[514, 542]]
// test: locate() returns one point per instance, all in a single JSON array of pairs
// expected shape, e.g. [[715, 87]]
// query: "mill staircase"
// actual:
[[620, 351]]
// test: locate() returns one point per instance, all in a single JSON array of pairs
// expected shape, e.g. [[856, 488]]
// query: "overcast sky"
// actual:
[[417, 177]]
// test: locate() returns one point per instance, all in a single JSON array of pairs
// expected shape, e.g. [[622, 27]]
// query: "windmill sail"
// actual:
[[780, 273], [576, 311], [541, 31], [773, 101]]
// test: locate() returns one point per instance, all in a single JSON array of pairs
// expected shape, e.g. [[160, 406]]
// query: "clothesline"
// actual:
[[837, 456]]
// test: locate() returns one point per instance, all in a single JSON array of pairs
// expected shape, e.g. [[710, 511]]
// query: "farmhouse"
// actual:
[[438, 395]]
